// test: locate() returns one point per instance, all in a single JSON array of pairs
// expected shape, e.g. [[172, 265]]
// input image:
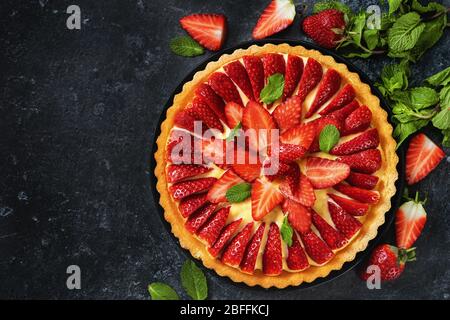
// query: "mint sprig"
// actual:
[[239, 192], [273, 89], [286, 231], [328, 138], [194, 281], [162, 291], [186, 46]]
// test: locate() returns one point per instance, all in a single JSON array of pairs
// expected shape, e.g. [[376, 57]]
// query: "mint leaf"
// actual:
[[358, 23], [273, 89], [239, 192], [404, 130], [430, 7], [371, 38], [162, 291], [394, 5], [405, 32], [324, 5], [185, 46], [446, 140], [394, 77], [234, 132], [442, 119], [444, 97], [328, 137], [417, 98], [194, 281], [286, 231], [440, 79]]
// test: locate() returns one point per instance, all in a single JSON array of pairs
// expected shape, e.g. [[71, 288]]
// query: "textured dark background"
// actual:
[[78, 110]]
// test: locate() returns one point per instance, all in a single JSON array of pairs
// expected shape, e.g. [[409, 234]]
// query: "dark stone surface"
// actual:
[[78, 112]]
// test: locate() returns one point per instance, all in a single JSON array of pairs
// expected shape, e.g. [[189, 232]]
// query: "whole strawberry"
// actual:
[[391, 261], [326, 28]]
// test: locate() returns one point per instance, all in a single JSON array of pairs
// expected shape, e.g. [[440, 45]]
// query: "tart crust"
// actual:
[[374, 218]]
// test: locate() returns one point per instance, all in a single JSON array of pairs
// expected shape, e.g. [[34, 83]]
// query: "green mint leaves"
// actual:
[[162, 291], [328, 138], [186, 46], [234, 132], [440, 79], [273, 89], [239, 192], [325, 5], [286, 231], [405, 32], [194, 281]]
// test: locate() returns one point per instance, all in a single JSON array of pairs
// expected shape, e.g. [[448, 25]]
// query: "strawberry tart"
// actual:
[[291, 204]]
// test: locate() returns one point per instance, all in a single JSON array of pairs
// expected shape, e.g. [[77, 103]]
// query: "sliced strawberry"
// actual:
[[288, 114], [255, 71], [178, 172], [202, 112], [316, 248], [345, 223], [334, 239], [279, 170], [351, 206], [210, 231], [185, 120], [362, 180], [290, 184], [296, 259], [248, 172], [224, 87], [265, 197], [273, 63], [277, 16], [224, 237], [214, 101], [305, 194], [198, 218], [180, 147], [319, 124], [367, 161], [209, 30], [366, 140], [362, 195], [289, 152], [213, 150], [324, 173], [183, 189], [190, 204], [272, 256], [327, 88], [422, 157], [358, 120], [341, 114], [344, 97], [248, 260], [219, 189], [257, 117], [410, 219], [233, 114], [310, 78], [236, 71], [302, 135], [298, 216], [294, 70], [235, 251]]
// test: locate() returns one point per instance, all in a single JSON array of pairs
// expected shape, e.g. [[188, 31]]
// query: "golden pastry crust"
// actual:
[[374, 218]]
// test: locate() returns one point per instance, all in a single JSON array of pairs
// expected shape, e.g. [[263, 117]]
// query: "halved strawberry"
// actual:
[[316, 248], [233, 114], [319, 124], [327, 88], [277, 16], [214, 101], [278, 170], [248, 260], [294, 70], [219, 189], [208, 29], [344, 97], [224, 87], [302, 135], [362, 180], [362, 195], [198, 218], [265, 197], [190, 204], [235, 251], [255, 71], [310, 78], [224, 237], [296, 259], [273, 63], [332, 237], [247, 171], [305, 194], [367, 161], [324, 173], [178, 172], [236, 71], [358, 120], [214, 150], [202, 112], [210, 231], [298, 216], [422, 157], [290, 184], [366, 140], [288, 114], [410, 219], [185, 120], [183, 189], [272, 256], [257, 117], [345, 223], [289, 152], [351, 206]]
